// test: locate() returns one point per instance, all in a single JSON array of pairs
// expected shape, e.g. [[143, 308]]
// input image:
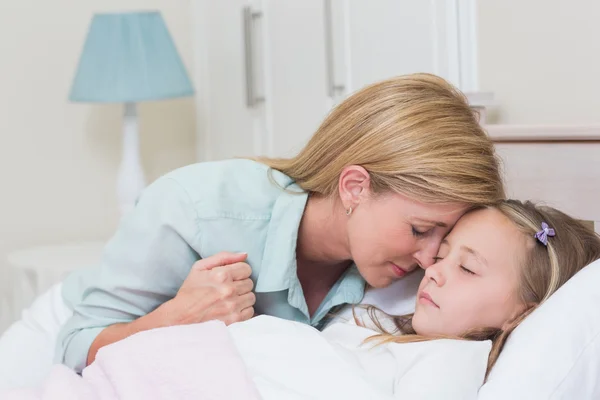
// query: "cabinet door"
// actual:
[[320, 51], [297, 86], [379, 39], [228, 70], [266, 82]]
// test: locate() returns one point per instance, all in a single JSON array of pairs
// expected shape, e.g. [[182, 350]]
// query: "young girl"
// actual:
[[496, 267]]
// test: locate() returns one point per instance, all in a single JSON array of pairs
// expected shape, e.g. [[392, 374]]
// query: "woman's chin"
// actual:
[[379, 282], [376, 277]]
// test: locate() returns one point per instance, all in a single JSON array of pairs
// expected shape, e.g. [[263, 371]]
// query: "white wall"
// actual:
[[58, 161], [541, 58]]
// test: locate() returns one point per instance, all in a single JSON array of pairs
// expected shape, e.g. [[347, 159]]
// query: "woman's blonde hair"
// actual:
[[415, 135], [543, 270]]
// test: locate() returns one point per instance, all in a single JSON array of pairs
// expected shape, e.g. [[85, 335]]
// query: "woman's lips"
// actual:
[[398, 271]]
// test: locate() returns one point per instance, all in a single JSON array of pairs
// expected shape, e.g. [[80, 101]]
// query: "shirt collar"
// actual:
[[279, 270], [349, 289], [278, 267]]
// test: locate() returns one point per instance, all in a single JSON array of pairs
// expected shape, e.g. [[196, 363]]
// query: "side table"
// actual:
[[34, 270]]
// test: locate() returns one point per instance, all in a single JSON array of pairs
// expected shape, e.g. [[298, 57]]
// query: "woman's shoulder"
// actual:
[[223, 169], [231, 186]]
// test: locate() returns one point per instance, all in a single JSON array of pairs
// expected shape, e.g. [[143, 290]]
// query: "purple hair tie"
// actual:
[[542, 235]]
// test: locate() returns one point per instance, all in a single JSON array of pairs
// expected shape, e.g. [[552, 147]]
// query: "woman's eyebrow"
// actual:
[[436, 223]]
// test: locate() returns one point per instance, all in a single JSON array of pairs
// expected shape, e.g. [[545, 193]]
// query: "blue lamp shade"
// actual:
[[129, 57]]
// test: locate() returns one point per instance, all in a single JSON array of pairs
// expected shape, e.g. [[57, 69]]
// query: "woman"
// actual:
[[370, 197]]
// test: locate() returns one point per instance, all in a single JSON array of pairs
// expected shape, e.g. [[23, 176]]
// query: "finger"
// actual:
[[219, 260], [229, 273], [247, 313], [243, 286], [246, 300], [243, 315], [239, 271]]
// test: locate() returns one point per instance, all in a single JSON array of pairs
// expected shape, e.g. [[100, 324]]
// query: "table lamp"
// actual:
[[128, 58]]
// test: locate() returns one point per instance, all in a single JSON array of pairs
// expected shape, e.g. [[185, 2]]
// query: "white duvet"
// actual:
[[270, 359], [289, 360]]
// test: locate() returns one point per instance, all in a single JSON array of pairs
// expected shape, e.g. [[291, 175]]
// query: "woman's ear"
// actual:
[[354, 185]]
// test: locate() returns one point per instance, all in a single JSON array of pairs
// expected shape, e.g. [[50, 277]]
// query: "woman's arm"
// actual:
[[224, 294], [143, 266]]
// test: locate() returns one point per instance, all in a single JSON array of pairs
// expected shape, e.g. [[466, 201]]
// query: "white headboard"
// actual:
[[558, 165]]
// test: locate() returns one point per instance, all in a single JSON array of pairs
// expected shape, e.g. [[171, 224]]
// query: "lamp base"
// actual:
[[130, 180]]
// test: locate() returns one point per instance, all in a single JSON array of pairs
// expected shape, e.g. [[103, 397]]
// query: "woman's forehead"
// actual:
[[442, 213]]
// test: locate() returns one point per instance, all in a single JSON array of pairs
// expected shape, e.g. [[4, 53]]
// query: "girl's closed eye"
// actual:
[[466, 270], [462, 267]]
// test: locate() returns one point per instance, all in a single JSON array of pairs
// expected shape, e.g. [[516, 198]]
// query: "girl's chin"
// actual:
[[422, 325]]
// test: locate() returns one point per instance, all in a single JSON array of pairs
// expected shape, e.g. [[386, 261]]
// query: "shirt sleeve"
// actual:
[[143, 265]]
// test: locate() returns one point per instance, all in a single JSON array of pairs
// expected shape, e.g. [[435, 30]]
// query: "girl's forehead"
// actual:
[[491, 234]]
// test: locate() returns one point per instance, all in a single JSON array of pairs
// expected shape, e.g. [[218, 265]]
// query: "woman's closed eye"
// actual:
[[419, 232]]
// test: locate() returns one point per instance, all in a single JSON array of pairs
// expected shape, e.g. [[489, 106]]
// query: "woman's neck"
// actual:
[[322, 251], [322, 238]]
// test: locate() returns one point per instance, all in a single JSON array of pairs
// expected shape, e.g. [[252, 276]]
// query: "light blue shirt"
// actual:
[[192, 213]]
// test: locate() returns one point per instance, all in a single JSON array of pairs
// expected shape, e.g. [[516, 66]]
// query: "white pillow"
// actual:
[[554, 353]]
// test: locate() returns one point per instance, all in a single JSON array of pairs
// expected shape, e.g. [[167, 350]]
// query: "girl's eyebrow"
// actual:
[[481, 259]]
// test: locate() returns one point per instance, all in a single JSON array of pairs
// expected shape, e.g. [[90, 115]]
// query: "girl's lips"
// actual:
[[425, 298]]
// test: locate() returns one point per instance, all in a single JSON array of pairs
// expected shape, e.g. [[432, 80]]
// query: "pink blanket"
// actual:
[[151, 365]]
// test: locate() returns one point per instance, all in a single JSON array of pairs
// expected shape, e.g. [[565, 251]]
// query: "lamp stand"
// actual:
[[130, 180]]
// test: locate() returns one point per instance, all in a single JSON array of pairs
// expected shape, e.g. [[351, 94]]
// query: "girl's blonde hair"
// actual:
[[415, 135], [543, 270]]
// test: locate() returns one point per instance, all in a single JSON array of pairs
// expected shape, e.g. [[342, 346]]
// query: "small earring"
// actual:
[[349, 211]]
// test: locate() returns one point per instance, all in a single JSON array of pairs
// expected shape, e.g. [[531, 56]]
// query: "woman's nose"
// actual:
[[425, 256]]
